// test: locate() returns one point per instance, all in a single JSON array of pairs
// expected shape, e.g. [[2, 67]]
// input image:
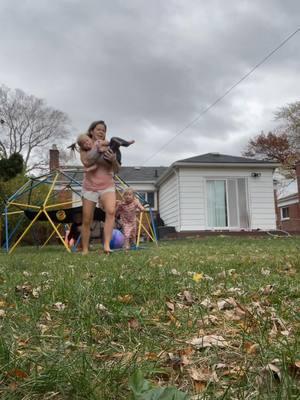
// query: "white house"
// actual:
[[218, 192], [208, 192]]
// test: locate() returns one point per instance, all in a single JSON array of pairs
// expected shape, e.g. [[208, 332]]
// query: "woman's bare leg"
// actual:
[[88, 208], [109, 204]]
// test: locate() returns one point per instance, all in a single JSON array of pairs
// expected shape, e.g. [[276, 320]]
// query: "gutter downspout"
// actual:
[[178, 197]]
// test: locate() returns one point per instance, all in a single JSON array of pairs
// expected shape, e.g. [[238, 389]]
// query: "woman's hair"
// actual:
[[93, 126]]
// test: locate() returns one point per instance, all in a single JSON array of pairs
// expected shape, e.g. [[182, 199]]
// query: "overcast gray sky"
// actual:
[[148, 68]]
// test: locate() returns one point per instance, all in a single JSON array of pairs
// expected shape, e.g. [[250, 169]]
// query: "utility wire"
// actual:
[[225, 93]]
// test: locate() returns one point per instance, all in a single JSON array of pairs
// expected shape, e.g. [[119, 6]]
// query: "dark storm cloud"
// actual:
[[149, 68]]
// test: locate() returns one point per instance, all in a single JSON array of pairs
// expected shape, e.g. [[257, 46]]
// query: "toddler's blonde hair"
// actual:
[[128, 190], [81, 137]]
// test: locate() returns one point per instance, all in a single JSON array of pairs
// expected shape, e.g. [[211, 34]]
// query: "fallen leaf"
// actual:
[[3, 303], [226, 304], [59, 306], [268, 374], [126, 299], [170, 306], [17, 373], [175, 272], [265, 271], [174, 320], [251, 348], [100, 307], [206, 303], [294, 369], [202, 375], [208, 341], [188, 297], [267, 290], [208, 320], [133, 323], [199, 386], [197, 277]]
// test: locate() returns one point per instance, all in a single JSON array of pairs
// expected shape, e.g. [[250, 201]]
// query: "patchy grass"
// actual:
[[216, 318]]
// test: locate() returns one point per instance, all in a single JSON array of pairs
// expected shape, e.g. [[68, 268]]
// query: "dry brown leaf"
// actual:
[[175, 272], [294, 369], [208, 320], [134, 324], [59, 306], [265, 271], [188, 297], [151, 356], [267, 290], [207, 303], [226, 304], [126, 299], [208, 341], [170, 306], [251, 348], [202, 375], [199, 386], [222, 274], [126, 356], [269, 372], [3, 304], [17, 373], [174, 320]]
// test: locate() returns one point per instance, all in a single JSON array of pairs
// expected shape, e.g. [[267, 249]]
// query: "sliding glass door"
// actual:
[[227, 203]]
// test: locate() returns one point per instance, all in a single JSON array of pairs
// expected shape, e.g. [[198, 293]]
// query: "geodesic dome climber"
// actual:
[[56, 198], [48, 198]]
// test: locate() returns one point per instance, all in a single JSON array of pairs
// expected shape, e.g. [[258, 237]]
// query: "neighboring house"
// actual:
[[207, 192], [141, 179], [288, 208], [218, 192]]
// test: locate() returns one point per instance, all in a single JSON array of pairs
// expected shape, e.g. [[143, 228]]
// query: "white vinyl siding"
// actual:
[[192, 195], [168, 202]]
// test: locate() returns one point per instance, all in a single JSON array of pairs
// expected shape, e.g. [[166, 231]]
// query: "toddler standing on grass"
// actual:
[[127, 210]]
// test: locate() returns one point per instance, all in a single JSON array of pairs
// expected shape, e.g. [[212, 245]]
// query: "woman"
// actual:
[[98, 184]]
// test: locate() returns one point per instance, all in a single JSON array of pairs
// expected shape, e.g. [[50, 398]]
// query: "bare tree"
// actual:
[[27, 125]]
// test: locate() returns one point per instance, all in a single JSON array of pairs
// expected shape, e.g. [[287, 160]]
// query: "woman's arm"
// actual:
[[88, 158], [111, 157]]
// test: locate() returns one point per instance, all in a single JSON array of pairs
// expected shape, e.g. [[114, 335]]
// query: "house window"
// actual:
[[285, 213], [147, 197], [227, 203]]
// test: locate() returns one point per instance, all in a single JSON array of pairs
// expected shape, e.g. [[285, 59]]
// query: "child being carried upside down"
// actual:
[[95, 150], [127, 209]]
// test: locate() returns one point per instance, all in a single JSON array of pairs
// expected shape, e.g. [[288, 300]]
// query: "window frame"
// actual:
[[282, 217], [226, 179], [146, 192]]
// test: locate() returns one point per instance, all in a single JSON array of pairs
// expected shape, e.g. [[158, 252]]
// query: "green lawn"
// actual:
[[215, 318]]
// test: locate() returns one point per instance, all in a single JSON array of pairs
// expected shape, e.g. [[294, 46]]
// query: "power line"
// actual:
[[225, 93]]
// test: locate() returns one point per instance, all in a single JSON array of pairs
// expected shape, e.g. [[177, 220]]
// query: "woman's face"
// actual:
[[99, 132]]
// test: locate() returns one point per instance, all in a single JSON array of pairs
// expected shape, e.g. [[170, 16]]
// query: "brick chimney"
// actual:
[[53, 158]]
